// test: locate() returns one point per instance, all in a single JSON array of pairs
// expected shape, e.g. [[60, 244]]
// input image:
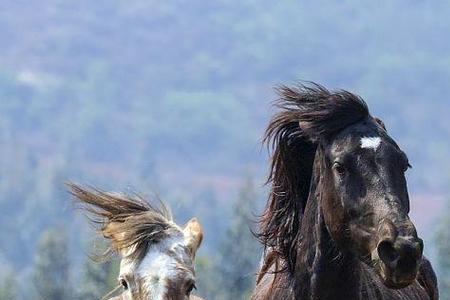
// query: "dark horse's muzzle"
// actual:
[[398, 253]]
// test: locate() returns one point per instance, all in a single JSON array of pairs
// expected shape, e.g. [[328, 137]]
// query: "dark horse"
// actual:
[[336, 225]]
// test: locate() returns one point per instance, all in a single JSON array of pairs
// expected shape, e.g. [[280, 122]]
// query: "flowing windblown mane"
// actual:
[[309, 113], [134, 222]]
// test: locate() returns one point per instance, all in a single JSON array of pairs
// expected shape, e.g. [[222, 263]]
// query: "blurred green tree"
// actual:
[[206, 276], [52, 266], [99, 278], [239, 251], [8, 287]]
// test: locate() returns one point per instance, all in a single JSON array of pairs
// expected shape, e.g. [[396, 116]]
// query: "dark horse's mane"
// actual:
[[309, 114]]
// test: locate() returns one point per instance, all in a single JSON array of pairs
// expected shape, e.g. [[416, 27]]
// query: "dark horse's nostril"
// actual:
[[387, 253], [412, 249], [402, 256], [406, 264], [411, 253]]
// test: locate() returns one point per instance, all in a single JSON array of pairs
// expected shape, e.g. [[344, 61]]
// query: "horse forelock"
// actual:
[[131, 222]]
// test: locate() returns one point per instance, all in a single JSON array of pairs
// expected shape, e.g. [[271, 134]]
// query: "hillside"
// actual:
[[173, 98]]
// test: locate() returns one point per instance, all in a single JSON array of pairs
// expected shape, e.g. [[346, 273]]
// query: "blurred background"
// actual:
[[172, 98]]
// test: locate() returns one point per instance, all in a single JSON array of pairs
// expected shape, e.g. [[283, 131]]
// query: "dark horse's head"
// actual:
[[359, 179]]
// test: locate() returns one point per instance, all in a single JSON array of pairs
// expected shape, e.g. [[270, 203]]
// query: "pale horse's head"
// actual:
[[157, 255]]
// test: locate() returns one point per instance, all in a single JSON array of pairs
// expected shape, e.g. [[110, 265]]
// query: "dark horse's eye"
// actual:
[[340, 169], [406, 167], [124, 283]]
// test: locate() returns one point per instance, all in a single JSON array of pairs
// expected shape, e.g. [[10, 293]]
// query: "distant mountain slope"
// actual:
[[174, 96]]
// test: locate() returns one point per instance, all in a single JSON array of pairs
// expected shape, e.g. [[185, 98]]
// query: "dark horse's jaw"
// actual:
[[390, 280], [393, 279]]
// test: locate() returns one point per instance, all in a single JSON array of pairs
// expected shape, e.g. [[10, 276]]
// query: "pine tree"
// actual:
[[8, 287], [51, 266], [207, 282], [99, 278], [239, 252]]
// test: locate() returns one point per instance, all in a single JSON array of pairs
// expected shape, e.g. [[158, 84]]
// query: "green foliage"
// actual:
[[51, 266], [232, 274], [239, 251], [206, 275], [8, 287], [99, 276], [98, 279]]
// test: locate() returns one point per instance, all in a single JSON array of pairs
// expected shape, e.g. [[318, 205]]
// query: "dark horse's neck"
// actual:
[[322, 271]]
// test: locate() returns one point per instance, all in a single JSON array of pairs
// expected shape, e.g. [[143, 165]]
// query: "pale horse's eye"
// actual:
[[123, 283], [190, 288]]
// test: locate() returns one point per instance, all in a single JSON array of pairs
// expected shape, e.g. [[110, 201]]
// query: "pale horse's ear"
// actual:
[[193, 235]]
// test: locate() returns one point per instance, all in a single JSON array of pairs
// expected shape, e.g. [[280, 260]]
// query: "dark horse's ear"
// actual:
[[381, 123]]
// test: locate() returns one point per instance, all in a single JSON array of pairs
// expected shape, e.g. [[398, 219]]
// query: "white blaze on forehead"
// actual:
[[370, 142], [154, 269], [157, 266]]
